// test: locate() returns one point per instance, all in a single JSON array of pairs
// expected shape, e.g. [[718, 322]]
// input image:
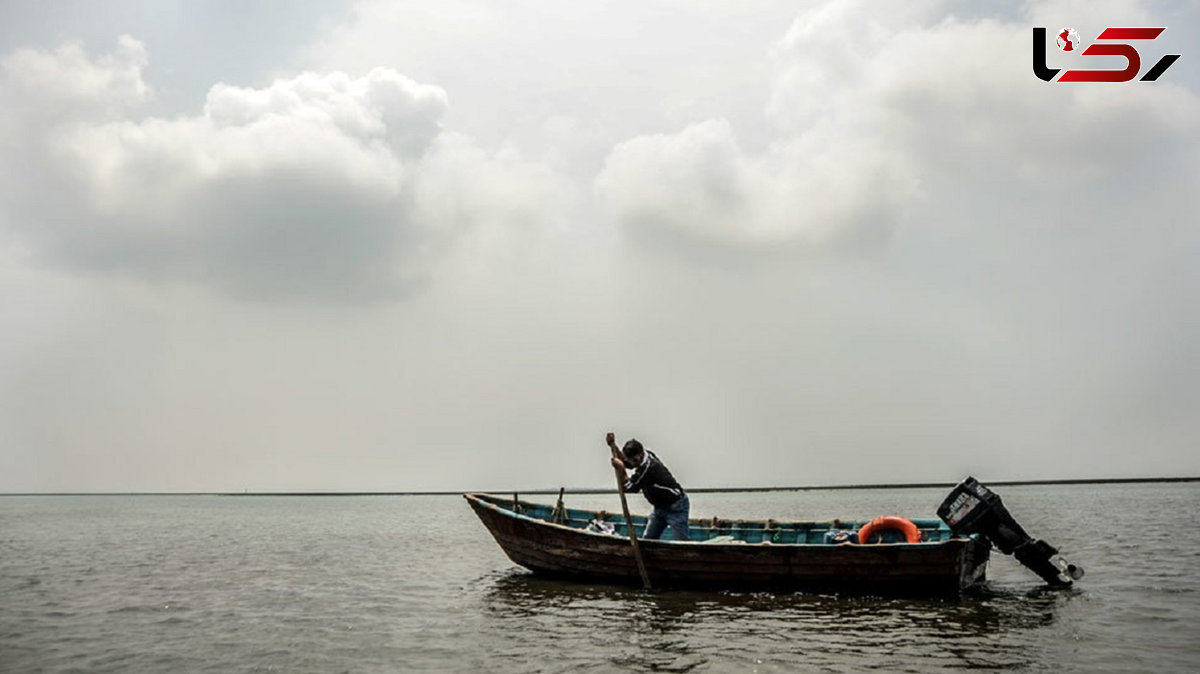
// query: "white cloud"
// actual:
[[878, 114], [317, 186], [1025, 306], [67, 82]]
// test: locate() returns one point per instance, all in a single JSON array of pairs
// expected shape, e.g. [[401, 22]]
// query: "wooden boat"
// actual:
[[734, 554]]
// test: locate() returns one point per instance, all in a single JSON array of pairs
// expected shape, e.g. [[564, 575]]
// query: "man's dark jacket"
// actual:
[[656, 482]]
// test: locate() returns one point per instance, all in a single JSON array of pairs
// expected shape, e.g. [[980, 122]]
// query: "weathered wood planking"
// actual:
[[935, 567]]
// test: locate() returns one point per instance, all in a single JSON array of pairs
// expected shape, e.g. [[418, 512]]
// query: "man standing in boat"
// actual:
[[651, 477]]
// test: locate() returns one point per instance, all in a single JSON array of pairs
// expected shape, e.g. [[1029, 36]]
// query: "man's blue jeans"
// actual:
[[674, 516]]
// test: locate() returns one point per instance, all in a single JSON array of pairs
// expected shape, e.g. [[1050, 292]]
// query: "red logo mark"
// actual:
[[1068, 39]]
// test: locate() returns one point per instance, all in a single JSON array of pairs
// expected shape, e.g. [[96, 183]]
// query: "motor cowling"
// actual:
[[972, 508]]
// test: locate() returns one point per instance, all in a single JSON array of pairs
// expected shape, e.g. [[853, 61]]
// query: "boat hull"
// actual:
[[945, 567]]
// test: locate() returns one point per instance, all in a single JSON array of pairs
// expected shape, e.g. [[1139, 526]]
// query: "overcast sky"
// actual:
[[448, 245]]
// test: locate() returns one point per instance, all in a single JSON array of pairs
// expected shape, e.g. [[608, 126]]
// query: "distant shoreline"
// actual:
[[585, 490]]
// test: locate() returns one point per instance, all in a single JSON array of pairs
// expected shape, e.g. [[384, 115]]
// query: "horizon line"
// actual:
[[593, 490]]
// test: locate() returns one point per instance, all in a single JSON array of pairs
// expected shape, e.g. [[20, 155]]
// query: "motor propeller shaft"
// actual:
[[972, 508]]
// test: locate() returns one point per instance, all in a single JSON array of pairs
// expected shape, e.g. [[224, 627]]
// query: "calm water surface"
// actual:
[[415, 583]]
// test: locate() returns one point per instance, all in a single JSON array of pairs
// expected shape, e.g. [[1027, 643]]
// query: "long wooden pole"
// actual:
[[637, 551]]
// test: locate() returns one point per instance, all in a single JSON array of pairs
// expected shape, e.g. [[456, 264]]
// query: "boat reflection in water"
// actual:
[[683, 630]]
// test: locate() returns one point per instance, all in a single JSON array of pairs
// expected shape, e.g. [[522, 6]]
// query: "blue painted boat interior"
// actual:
[[728, 531]]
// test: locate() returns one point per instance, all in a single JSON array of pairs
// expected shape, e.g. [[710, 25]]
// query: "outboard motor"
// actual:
[[974, 509]]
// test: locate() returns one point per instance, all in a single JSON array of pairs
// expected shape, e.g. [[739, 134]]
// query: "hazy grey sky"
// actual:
[[447, 245]]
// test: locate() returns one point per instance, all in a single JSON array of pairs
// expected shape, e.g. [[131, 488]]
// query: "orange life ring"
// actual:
[[896, 523]]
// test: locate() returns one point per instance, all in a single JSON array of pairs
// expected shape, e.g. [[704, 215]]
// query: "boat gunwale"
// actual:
[[482, 498]]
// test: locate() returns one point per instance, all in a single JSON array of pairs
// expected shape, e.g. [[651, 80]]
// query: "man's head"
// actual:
[[633, 452]]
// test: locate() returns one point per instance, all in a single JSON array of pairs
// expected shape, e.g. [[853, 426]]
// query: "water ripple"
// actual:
[[415, 584]]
